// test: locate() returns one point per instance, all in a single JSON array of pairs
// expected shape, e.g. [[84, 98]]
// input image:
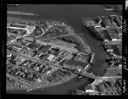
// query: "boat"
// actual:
[[109, 9]]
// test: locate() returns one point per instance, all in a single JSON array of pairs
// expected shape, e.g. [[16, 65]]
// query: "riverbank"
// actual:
[[63, 89], [72, 14]]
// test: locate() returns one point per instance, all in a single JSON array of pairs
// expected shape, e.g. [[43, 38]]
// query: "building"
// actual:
[[75, 65]]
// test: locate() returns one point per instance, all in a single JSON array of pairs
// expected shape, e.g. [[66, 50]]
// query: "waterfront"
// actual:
[[72, 14], [62, 89]]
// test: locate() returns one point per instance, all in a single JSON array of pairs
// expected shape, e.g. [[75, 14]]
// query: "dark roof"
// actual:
[[106, 21], [44, 48], [112, 33], [11, 37], [71, 62], [106, 35], [116, 50], [54, 51], [119, 30]]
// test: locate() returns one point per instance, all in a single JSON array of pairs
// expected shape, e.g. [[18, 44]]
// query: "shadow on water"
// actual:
[[91, 33]]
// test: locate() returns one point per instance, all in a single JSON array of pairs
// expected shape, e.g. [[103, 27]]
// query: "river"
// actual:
[[72, 14]]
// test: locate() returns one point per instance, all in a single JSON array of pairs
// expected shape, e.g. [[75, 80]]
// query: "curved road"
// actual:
[[72, 14]]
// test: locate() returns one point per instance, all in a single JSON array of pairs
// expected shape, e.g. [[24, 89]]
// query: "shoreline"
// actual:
[[73, 18], [44, 91]]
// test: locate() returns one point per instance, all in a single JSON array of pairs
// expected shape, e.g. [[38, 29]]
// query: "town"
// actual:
[[62, 49], [108, 30], [34, 60], [45, 53]]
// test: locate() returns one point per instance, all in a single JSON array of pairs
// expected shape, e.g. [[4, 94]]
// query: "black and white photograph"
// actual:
[[64, 49]]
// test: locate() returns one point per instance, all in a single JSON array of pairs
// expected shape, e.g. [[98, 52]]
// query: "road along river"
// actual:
[[72, 14]]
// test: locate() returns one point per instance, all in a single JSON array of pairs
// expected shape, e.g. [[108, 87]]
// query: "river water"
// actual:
[[72, 14]]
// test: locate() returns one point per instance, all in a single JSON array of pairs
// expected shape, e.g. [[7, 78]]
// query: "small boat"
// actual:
[[80, 76], [108, 9]]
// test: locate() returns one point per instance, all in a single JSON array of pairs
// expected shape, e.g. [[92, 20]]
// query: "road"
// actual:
[[73, 14]]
